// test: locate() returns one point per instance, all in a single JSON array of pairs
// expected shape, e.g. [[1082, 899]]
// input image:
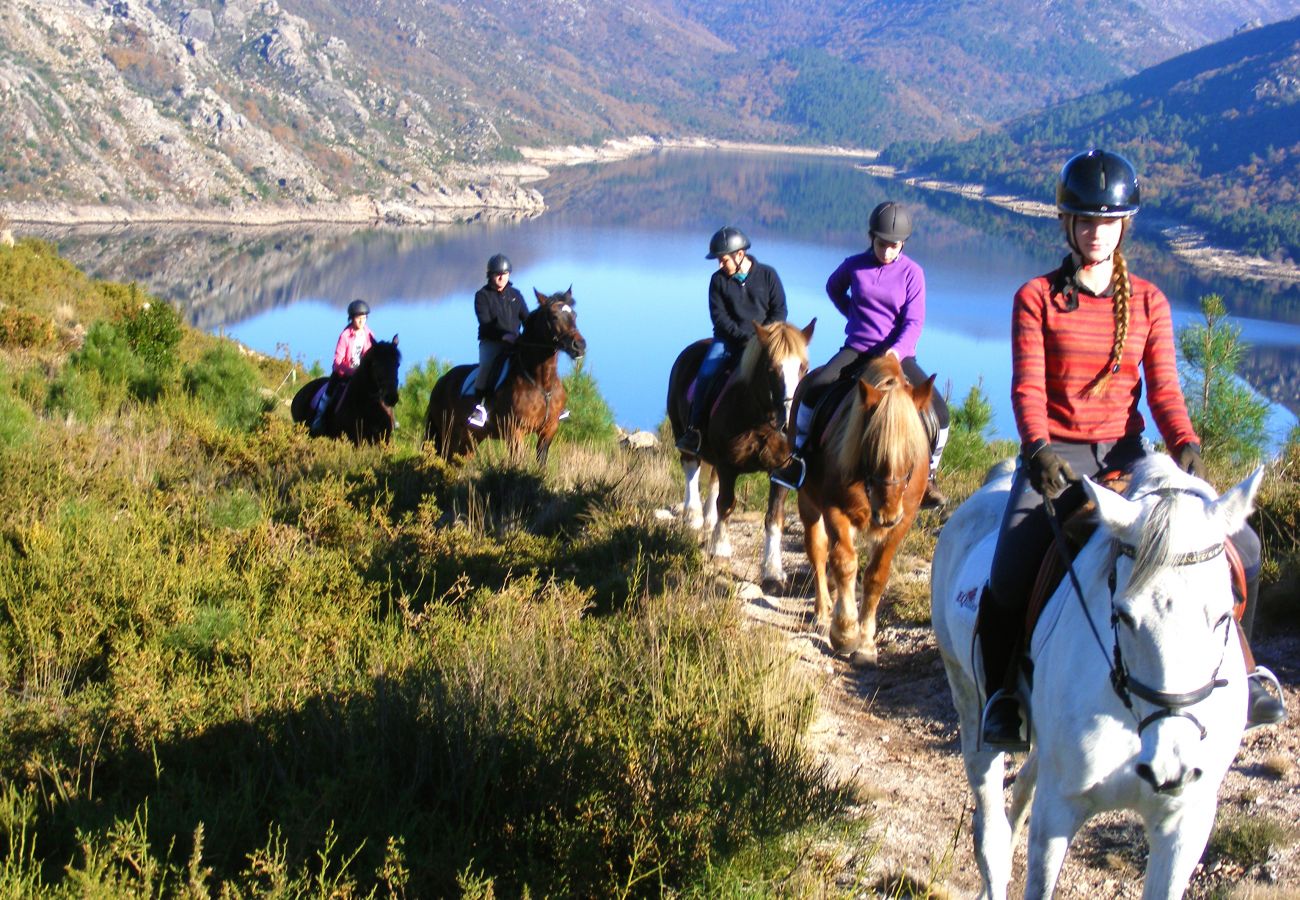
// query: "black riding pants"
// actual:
[[828, 374]]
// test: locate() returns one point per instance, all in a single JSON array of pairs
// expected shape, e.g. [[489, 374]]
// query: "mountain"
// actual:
[[1215, 134], [408, 109]]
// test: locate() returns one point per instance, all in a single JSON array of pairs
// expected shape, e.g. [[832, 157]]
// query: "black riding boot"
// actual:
[[999, 636]]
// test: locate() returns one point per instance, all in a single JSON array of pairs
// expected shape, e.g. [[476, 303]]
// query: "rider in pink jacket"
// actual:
[[353, 343]]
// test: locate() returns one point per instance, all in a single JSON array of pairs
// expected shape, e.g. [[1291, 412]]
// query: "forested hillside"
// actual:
[[1214, 133], [403, 108]]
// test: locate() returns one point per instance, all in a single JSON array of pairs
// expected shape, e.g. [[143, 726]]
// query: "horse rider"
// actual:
[[742, 291], [1082, 336], [353, 342], [501, 312], [881, 293]]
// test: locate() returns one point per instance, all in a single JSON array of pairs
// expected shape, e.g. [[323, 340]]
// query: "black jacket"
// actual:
[[499, 313], [733, 304]]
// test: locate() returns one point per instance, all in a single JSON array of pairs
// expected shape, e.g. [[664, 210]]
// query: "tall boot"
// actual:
[[791, 473], [934, 498], [999, 636]]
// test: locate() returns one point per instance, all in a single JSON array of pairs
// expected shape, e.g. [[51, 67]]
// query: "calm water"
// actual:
[[630, 238]]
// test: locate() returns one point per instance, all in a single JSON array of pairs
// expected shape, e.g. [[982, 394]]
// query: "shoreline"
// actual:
[[1186, 242]]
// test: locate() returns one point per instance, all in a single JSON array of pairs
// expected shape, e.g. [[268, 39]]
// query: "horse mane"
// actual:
[[889, 438], [782, 342], [1157, 549]]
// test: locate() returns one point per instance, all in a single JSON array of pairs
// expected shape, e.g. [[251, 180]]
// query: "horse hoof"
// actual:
[[694, 523], [772, 584], [863, 659]]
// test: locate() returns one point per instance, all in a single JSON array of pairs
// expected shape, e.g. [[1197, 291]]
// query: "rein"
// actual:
[[1125, 686]]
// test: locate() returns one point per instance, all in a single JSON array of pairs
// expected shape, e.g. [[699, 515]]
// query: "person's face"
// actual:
[[1096, 238], [499, 280], [359, 322], [730, 262], [886, 251]]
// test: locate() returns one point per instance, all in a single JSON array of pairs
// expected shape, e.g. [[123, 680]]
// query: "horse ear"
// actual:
[[541, 298], [1233, 507], [922, 393], [808, 329], [1117, 512], [394, 340], [869, 394], [568, 295]]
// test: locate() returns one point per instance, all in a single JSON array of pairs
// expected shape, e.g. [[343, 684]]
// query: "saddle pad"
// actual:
[[467, 386]]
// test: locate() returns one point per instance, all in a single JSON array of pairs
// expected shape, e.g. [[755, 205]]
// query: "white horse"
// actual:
[[1138, 698]]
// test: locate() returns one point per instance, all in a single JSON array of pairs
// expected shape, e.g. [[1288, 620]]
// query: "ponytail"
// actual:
[[1122, 293]]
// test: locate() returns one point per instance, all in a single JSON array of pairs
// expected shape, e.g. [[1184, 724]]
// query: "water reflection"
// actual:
[[630, 238]]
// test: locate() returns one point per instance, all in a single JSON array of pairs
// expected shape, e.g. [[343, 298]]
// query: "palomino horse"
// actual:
[[364, 411], [1139, 686], [867, 471], [745, 433], [531, 398]]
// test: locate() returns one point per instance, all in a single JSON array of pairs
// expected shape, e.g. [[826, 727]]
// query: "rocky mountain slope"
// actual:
[[414, 110]]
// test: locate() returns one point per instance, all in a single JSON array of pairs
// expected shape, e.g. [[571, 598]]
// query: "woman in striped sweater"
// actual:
[[1084, 338]]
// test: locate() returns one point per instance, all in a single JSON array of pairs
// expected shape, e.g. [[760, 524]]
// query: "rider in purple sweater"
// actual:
[[881, 293]]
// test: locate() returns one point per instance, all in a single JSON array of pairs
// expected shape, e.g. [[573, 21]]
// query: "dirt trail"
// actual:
[[894, 729]]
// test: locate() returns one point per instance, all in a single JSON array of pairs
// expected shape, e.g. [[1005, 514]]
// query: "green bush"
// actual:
[[1229, 418], [228, 384], [413, 400], [590, 418], [153, 330]]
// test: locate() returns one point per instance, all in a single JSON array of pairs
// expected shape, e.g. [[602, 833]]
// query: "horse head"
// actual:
[[378, 371], [1175, 647], [885, 441], [774, 362], [554, 324]]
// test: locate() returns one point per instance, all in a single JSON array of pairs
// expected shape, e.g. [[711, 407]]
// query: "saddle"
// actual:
[[502, 367], [1076, 529], [720, 380], [826, 405]]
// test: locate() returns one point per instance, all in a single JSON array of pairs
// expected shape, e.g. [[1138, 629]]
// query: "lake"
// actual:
[[630, 238]]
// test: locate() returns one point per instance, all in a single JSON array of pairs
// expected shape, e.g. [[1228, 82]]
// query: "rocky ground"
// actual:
[[895, 731]]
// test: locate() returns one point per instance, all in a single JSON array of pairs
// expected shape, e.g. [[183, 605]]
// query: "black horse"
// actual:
[[364, 412]]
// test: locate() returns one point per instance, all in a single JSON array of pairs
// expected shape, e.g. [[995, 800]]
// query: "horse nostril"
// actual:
[[1194, 776]]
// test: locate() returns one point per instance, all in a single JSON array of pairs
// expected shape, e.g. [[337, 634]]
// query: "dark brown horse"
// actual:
[[364, 409], [530, 399], [744, 433], [866, 472]]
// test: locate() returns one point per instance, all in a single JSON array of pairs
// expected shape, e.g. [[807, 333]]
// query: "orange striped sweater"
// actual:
[[1057, 352]]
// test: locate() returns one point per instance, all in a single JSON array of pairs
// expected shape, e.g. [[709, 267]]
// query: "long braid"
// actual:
[[1123, 292]]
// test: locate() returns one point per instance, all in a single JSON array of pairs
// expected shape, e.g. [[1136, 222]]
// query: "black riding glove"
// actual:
[[1189, 460], [1049, 473]]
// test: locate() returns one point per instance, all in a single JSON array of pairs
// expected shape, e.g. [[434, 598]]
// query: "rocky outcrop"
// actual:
[[171, 110]]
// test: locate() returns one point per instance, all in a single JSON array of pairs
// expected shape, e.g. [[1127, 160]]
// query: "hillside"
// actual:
[[1214, 133], [412, 110]]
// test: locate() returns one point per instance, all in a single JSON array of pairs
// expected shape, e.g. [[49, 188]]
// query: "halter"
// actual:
[[1168, 703]]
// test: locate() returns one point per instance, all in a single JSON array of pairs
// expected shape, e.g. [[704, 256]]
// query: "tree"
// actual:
[[1226, 413]]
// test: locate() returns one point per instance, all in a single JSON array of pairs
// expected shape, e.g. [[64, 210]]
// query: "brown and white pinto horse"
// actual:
[[531, 398], [866, 473], [744, 433]]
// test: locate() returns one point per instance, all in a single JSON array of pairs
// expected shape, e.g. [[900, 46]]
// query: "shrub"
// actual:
[[413, 399], [153, 330], [1230, 419], [19, 328], [590, 418], [1246, 840], [228, 384]]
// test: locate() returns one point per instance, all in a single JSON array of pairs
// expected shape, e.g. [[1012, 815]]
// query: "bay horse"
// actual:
[[1138, 695], [744, 433], [866, 472], [364, 408], [529, 400]]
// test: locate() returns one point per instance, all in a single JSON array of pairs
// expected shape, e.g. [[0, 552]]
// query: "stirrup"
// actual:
[[791, 474], [564, 414], [690, 442], [1265, 676], [478, 418], [1021, 744]]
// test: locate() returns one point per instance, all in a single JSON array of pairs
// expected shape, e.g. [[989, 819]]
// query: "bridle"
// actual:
[[1168, 704]]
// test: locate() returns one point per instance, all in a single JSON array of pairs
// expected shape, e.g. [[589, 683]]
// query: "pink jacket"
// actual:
[[348, 351]]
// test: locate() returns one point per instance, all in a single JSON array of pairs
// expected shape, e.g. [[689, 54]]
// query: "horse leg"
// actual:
[[880, 556], [711, 501], [846, 636], [1052, 826], [723, 495], [816, 545], [1176, 842], [773, 570], [692, 512]]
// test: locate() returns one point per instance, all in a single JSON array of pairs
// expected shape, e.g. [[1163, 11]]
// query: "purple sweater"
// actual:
[[885, 305]]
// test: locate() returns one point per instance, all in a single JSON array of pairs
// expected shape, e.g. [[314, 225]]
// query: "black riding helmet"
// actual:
[[498, 264], [358, 308], [890, 222], [727, 239], [1098, 183]]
